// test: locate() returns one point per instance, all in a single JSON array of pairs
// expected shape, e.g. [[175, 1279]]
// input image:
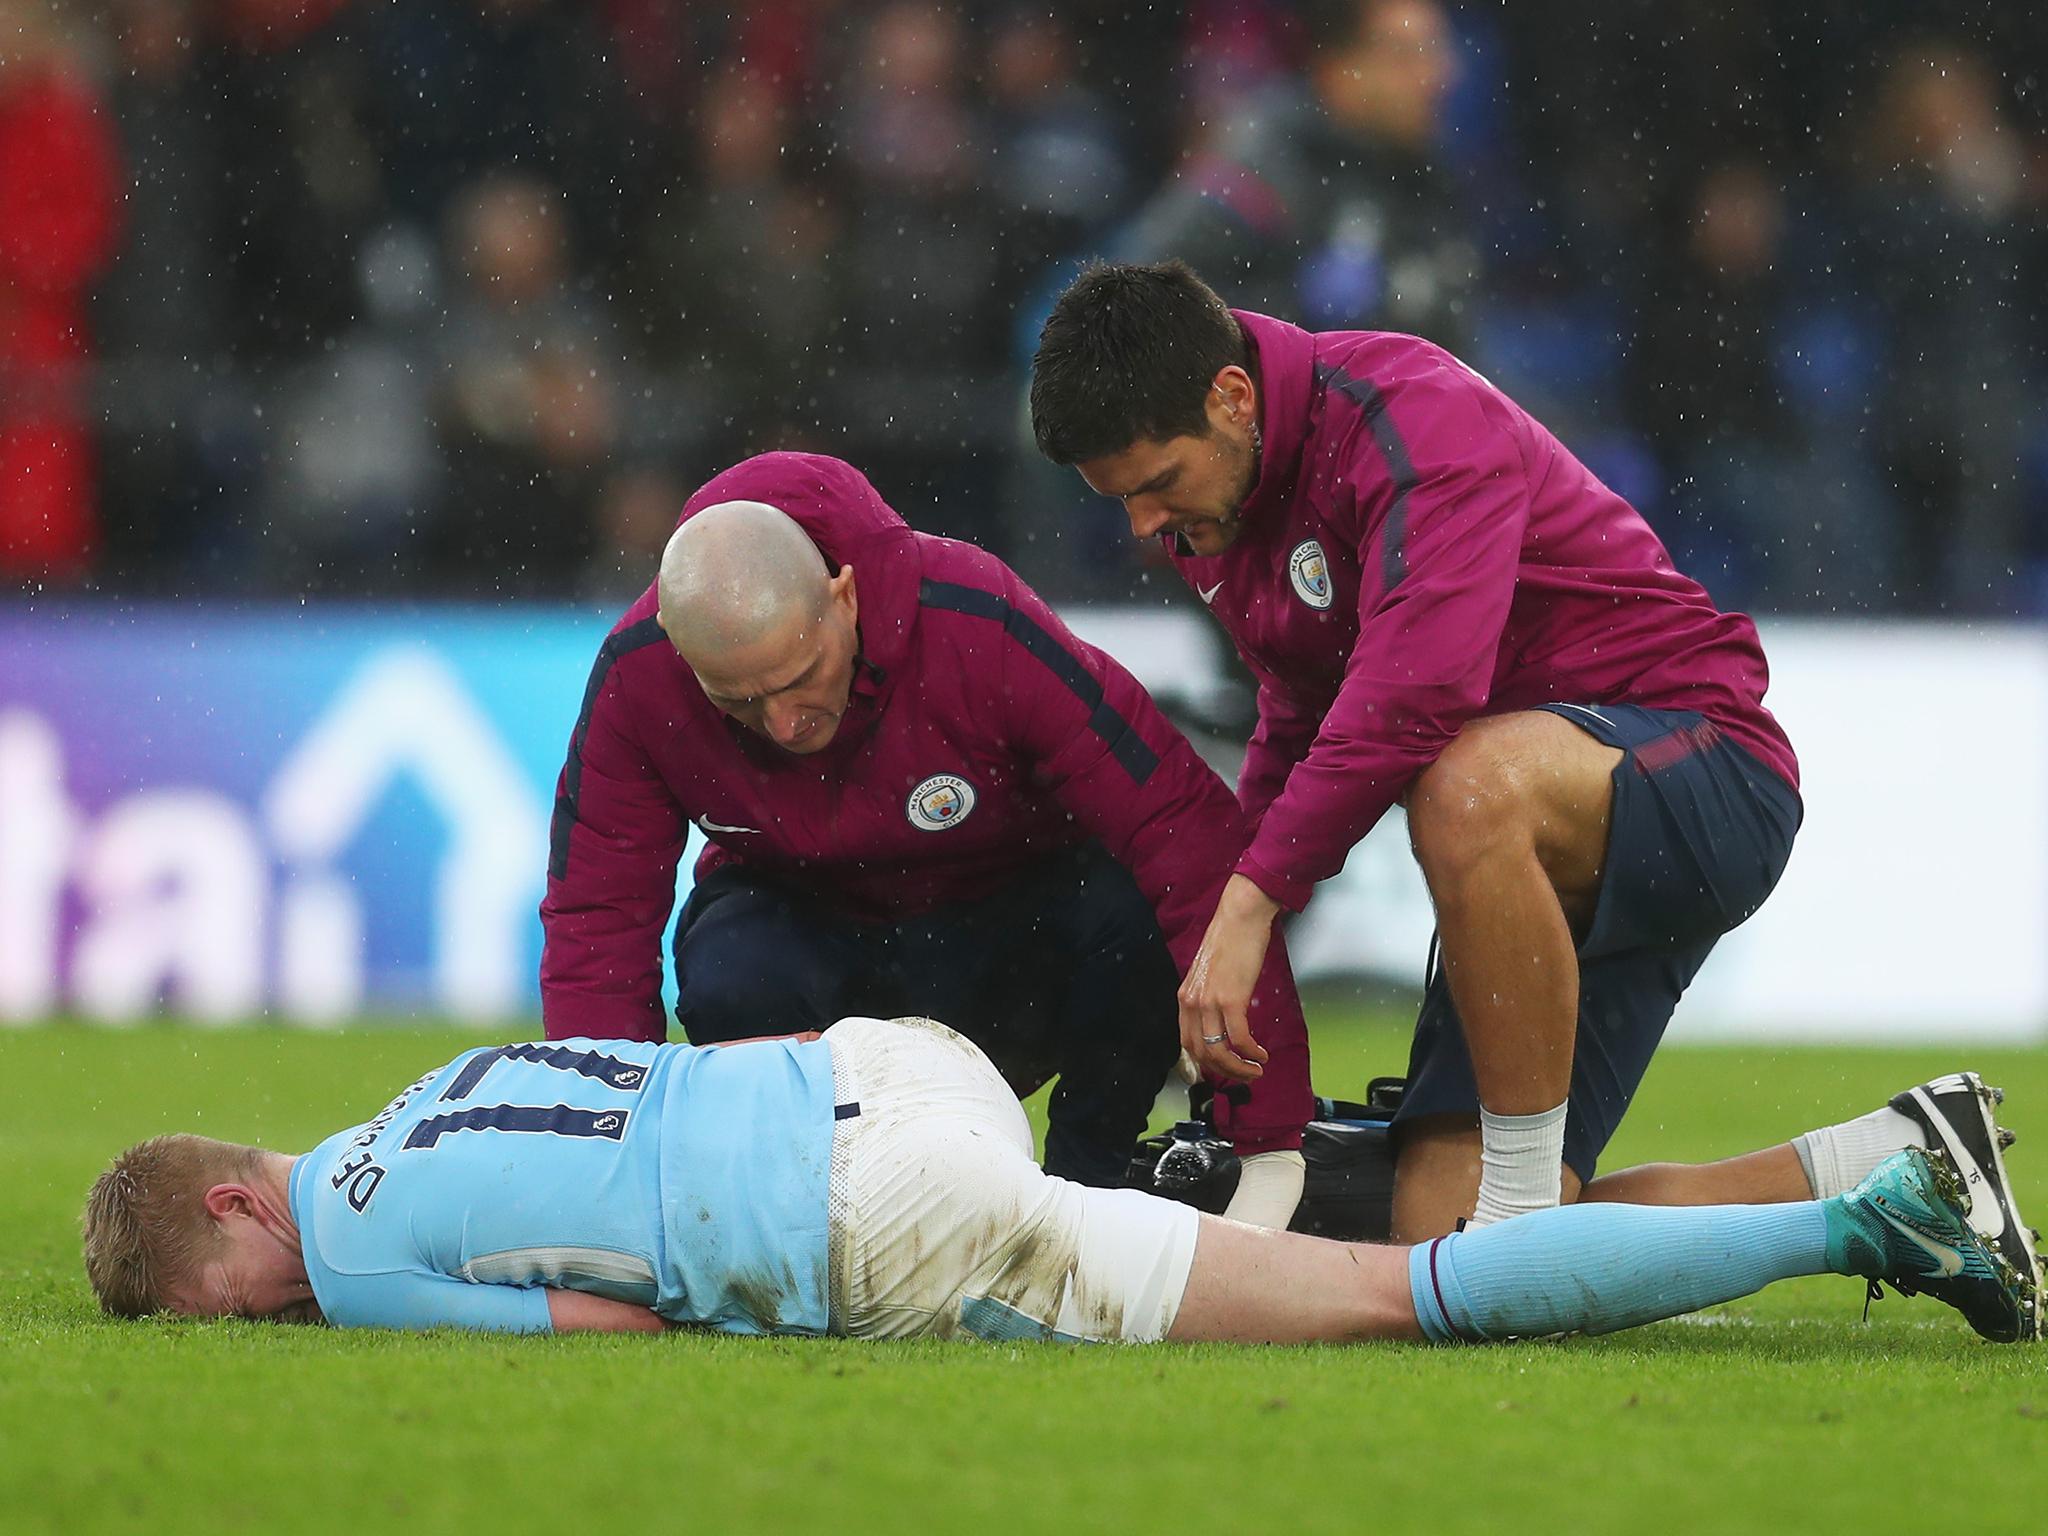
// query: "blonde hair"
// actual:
[[146, 1226]]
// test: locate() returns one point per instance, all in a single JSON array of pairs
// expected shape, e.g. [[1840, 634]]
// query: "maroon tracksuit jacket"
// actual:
[[981, 737], [1419, 551]]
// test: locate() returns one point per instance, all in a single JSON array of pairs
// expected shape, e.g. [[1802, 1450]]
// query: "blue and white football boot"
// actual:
[[1908, 1225]]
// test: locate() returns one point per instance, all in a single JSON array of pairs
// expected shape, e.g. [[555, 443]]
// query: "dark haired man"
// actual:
[[1445, 609]]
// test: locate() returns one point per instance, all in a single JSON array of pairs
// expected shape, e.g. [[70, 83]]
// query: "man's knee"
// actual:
[[1109, 922], [727, 1001], [1520, 783], [743, 969]]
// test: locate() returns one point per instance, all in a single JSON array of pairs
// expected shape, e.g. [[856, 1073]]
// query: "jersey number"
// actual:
[[534, 1119]]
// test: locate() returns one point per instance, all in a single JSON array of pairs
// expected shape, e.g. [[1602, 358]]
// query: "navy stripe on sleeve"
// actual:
[[617, 644], [1125, 744], [626, 1076], [1394, 534]]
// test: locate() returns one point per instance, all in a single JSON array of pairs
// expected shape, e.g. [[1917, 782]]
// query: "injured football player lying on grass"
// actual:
[[877, 1182]]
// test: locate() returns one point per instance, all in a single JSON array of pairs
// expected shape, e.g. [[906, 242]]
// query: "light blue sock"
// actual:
[[1594, 1268]]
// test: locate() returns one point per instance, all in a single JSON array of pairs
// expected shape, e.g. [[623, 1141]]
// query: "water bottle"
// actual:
[[1187, 1168]]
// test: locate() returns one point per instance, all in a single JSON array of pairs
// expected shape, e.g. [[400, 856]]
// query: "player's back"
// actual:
[[690, 1181]]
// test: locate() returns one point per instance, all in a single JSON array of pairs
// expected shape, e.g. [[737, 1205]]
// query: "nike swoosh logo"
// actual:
[[1949, 1260], [718, 826], [1209, 596]]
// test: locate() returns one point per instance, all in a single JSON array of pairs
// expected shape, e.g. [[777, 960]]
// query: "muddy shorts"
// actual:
[[943, 1225]]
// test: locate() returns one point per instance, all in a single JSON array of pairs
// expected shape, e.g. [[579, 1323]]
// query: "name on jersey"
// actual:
[[359, 1172]]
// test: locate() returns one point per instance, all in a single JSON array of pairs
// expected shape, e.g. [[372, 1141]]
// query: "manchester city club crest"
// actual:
[[944, 800], [1310, 573]]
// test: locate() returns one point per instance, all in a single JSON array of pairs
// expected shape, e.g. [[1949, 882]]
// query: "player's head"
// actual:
[[771, 631], [196, 1226], [1143, 383]]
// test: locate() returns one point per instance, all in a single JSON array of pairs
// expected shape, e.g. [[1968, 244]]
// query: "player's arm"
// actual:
[[418, 1299], [413, 1300], [576, 1312], [1282, 738], [615, 841], [1437, 582]]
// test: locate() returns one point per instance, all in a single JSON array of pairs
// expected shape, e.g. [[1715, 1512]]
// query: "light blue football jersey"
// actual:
[[693, 1181]]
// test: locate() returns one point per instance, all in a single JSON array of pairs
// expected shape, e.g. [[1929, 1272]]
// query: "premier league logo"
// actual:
[[1310, 573], [941, 801]]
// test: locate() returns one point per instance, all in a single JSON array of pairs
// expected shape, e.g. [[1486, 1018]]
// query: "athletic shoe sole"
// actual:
[[2020, 1292]]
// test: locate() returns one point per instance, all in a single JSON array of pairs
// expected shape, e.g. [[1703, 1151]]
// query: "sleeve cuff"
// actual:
[[1290, 893], [1251, 1141]]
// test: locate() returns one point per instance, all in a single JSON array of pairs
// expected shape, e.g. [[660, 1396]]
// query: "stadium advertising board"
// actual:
[[321, 814]]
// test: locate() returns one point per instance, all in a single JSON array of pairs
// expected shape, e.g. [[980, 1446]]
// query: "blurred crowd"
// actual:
[[461, 297]]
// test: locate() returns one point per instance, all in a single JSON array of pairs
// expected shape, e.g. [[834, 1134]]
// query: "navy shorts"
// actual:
[[1700, 833]]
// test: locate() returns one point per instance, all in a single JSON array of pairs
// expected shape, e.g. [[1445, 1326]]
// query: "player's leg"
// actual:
[[1510, 826], [754, 958], [1598, 1268], [942, 1226], [1954, 1114], [1767, 1177], [1624, 1002], [1115, 1017], [1697, 835]]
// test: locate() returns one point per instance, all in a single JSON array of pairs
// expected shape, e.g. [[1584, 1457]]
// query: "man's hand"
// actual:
[[1215, 999]]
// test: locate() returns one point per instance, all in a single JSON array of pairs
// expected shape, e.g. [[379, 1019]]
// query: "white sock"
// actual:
[[1268, 1189], [1839, 1157], [1521, 1164]]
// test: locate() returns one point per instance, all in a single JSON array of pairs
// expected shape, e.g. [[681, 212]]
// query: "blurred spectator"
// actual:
[[1766, 510], [529, 397], [920, 397], [1322, 201], [1775, 270], [59, 187], [469, 87], [355, 471], [635, 516], [738, 296], [299, 179], [159, 313], [1936, 221], [1060, 172]]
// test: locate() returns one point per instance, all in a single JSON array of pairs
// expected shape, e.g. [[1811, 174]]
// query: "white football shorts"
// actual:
[[943, 1225]]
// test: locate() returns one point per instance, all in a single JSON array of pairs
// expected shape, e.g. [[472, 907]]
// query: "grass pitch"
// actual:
[[1781, 1412]]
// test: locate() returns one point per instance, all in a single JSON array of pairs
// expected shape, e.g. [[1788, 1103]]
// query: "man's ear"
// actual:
[[225, 1200], [1234, 397], [843, 592]]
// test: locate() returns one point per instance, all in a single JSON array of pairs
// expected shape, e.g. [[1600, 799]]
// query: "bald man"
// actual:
[[922, 795]]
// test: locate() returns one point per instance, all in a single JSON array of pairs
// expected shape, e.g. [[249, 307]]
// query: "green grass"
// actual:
[[1783, 1411]]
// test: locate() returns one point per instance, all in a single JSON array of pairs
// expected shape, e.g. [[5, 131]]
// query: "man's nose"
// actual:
[[783, 719], [1147, 517]]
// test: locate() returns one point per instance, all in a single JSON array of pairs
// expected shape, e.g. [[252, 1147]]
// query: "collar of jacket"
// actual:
[[1285, 355]]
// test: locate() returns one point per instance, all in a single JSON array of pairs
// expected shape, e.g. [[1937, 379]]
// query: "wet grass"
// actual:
[[1784, 1411]]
